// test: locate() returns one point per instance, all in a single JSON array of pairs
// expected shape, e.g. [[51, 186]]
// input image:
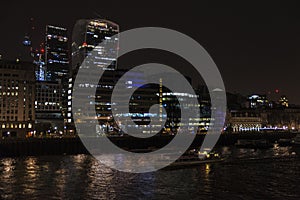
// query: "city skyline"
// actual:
[[254, 47], [149, 100]]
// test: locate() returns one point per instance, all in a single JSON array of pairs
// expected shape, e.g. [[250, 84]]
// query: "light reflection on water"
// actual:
[[83, 177]]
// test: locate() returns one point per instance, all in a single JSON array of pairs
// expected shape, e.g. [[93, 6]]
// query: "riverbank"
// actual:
[[73, 145]]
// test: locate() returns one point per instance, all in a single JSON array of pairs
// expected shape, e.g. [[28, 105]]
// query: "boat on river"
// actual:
[[194, 158]]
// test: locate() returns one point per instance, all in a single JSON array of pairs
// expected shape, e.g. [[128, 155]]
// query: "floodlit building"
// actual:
[[17, 94], [246, 120]]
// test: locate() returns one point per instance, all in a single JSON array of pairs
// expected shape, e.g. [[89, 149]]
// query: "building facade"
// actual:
[[17, 95], [52, 82], [48, 107], [95, 35], [90, 37], [244, 120], [56, 53], [286, 118], [258, 101]]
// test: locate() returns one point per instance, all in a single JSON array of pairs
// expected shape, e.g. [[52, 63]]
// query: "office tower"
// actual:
[[51, 98], [56, 53], [89, 35], [17, 92], [57, 60]]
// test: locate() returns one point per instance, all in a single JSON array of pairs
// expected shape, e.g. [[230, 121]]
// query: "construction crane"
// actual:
[[37, 53]]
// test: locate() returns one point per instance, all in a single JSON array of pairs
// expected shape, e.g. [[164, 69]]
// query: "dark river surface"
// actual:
[[275, 175]]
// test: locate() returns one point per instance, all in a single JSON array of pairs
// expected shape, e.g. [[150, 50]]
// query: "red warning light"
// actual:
[[276, 91], [42, 50], [84, 44]]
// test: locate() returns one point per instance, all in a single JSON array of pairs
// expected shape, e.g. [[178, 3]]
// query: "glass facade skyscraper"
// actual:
[[91, 35], [90, 38], [52, 80], [56, 53]]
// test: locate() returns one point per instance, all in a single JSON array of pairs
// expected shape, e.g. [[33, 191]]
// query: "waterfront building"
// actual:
[[48, 107], [89, 35], [94, 35], [287, 118], [244, 120], [140, 105], [17, 95], [270, 119], [57, 60]]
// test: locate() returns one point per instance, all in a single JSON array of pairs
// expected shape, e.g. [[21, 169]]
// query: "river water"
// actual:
[[275, 175]]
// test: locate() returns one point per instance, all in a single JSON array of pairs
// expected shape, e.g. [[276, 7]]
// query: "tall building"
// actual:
[[17, 93], [52, 81], [93, 38], [89, 35], [56, 53]]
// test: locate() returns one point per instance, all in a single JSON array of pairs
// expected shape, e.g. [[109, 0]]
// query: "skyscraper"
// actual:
[[52, 80], [91, 35], [56, 53]]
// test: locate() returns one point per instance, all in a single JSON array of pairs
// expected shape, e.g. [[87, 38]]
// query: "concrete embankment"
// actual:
[[60, 146]]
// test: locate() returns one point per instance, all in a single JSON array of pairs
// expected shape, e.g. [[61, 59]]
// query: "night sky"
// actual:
[[255, 46]]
